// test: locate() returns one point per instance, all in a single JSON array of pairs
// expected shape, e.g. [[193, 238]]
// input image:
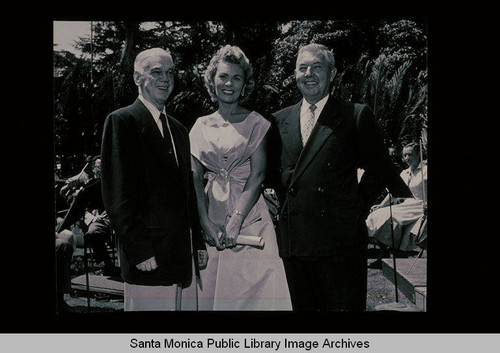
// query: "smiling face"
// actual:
[[313, 75], [229, 81], [156, 81]]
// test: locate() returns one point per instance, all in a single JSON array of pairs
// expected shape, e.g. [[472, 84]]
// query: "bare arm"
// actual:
[[250, 195], [210, 230]]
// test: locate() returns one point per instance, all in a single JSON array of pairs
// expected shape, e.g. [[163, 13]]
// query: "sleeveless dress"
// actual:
[[407, 216], [245, 277]]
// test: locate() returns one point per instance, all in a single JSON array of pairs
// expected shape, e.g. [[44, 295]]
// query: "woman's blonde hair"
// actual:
[[229, 54]]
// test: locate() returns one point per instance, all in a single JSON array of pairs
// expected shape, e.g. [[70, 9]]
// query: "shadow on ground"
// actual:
[[380, 290]]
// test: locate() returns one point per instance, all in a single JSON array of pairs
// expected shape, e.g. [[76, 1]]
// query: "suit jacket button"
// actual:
[[291, 190], [320, 189], [322, 213]]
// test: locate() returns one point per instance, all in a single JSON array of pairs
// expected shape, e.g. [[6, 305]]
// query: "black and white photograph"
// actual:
[[227, 176], [340, 223]]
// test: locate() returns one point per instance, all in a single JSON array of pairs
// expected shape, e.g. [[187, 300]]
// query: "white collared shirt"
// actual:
[[156, 116], [305, 107], [415, 180]]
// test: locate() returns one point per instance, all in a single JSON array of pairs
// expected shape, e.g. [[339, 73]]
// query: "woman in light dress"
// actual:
[[228, 149], [407, 213]]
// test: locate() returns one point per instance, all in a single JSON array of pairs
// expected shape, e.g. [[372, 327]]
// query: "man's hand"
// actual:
[[202, 258], [211, 234], [148, 265]]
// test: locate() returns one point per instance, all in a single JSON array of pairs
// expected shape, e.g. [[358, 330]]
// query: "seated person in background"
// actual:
[[396, 158], [74, 183], [406, 212], [64, 253], [88, 203]]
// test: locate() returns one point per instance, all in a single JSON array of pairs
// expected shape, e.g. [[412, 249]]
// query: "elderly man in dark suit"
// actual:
[[323, 142], [148, 192]]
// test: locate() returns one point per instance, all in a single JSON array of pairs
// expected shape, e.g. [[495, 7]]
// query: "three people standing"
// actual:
[[320, 142]]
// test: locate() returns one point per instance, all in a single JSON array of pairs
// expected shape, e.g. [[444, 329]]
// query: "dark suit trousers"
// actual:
[[64, 253], [98, 234], [328, 283]]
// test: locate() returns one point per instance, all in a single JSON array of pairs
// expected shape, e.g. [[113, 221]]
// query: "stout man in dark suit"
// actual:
[[148, 191], [322, 233]]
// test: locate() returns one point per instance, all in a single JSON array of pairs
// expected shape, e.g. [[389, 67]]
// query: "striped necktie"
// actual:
[[308, 125]]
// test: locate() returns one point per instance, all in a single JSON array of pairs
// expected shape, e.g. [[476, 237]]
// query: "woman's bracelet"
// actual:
[[236, 212]]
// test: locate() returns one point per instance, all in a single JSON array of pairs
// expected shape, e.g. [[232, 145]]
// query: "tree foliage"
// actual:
[[381, 63]]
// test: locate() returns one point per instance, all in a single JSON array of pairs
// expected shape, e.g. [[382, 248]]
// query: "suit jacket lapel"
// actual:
[[327, 121], [182, 151], [151, 130], [290, 130]]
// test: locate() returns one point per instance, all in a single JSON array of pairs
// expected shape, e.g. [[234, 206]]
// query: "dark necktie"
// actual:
[[166, 135]]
